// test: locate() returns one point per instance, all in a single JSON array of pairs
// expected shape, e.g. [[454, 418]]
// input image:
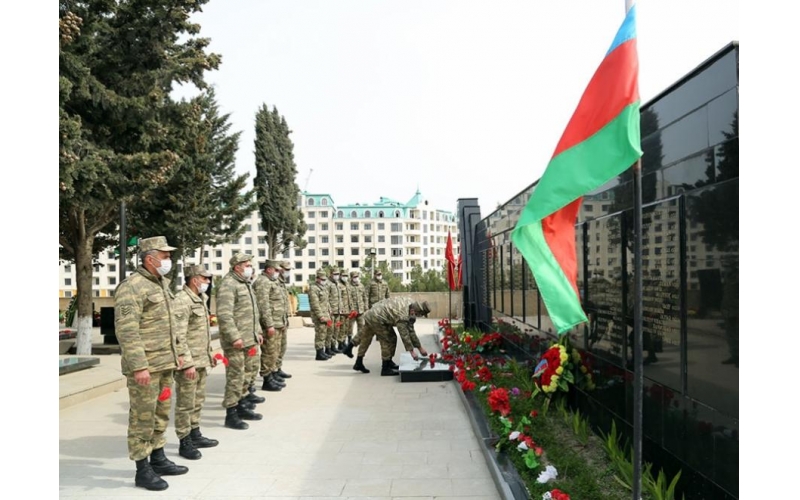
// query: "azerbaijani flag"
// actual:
[[451, 263], [602, 140]]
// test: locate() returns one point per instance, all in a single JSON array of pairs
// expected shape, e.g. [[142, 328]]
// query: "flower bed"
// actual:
[[523, 408]]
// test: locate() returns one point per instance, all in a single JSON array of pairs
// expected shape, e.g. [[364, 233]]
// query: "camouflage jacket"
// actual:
[[273, 302], [378, 290], [394, 312], [358, 300], [237, 311], [195, 326], [334, 297], [318, 301], [344, 298], [145, 324]]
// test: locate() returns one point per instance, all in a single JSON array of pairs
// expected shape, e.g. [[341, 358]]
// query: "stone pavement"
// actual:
[[332, 432]]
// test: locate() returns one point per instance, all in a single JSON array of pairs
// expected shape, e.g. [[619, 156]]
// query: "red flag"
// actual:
[[451, 263], [459, 267]]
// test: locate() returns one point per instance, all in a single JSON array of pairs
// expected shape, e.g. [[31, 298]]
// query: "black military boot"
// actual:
[[321, 355], [255, 399], [393, 364], [232, 419], [278, 379], [200, 441], [387, 369], [147, 478], [188, 450], [247, 414], [348, 350], [329, 352], [359, 366], [165, 467], [283, 374], [270, 385], [341, 346], [247, 404]]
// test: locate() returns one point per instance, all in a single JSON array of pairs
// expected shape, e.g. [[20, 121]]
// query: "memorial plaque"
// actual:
[[421, 370]]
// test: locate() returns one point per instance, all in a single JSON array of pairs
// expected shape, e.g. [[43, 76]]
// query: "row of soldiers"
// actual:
[[337, 304], [165, 341]]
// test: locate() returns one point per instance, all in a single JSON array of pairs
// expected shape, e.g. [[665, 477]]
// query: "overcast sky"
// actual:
[[461, 98]]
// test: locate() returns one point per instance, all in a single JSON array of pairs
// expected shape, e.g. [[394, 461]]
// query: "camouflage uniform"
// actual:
[[335, 301], [320, 311], [358, 303], [384, 315], [191, 394], [286, 266], [237, 314], [345, 308], [272, 306], [378, 290], [144, 322]]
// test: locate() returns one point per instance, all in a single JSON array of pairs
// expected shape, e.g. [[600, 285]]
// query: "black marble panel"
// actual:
[[74, 364]]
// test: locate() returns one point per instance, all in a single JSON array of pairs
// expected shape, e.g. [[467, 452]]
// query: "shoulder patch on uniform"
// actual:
[[125, 310]]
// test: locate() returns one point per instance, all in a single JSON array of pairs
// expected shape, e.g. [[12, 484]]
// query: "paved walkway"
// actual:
[[332, 432]]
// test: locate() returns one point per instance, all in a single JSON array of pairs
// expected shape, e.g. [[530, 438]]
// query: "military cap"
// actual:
[[334, 270], [155, 243], [275, 264], [196, 270], [240, 257], [321, 273], [286, 265], [421, 308], [354, 273]]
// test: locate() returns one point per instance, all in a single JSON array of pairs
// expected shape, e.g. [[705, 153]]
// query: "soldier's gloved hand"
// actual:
[[190, 373], [142, 377], [270, 331], [239, 344]]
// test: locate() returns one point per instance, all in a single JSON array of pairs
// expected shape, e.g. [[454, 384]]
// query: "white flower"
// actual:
[[547, 474], [547, 496], [484, 387], [522, 446], [513, 436]]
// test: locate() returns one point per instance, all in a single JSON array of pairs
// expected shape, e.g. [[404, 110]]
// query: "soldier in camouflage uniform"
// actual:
[[382, 318], [191, 304], [144, 321], [345, 308], [335, 301], [239, 335], [320, 314], [378, 289], [358, 303], [286, 267], [272, 308]]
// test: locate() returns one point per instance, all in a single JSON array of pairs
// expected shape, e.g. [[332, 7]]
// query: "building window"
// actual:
[[368, 238], [205, 254], [367, 226], [112, 268], [340, 214], [381, 251], [339, 238], [248, 240], [218, 266], [97, 281], [354, 214], [381, 238], [381, 226], [380, 214], [397, 240], [67, 268], [324, 202], [323, 226], [298, 277], [67, 281], [312, 214], [354, 251], [112, 280], [397, 264], [354, 226], [324, 252], [397, 252], [286, 254], [323, 214], [298, 252], [68, 294], [323, 239], [340, 264], [367, 214], [397, 227], [340, 226], [340, 251], [262, 252], [397, 213], [312, 265], [262, 240], [354, 264], [111, 256], [260, 226], [310, 202], [217, 254], [353, 238], [312, 252], [312, 239], [298, 264], [311, 227]]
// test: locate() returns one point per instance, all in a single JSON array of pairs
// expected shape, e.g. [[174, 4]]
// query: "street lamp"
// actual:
[[372, 253]]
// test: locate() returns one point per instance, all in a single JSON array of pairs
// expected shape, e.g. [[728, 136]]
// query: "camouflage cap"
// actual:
[[274, 264], [355, 273], [334, 270], [421, 308], [240, 257], [321, 273], [196, 270], [155, 243], [286, 265]]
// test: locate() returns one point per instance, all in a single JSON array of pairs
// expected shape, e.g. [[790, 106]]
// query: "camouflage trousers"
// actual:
[[234, 376], [320, 334], [148, 417], [347, 330], [251, 366], [388, 340], [283, 344], [271, 351], [330, 337], [191, 394], [363, 338]]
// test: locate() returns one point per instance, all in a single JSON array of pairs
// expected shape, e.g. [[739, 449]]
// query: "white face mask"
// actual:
[[335, 277], [378, 277], [354, 280], [247, 273], [203, 287], [285, 276], [165, 267]]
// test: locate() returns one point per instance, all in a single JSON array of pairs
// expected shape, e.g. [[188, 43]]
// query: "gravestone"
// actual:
[[421, 370]]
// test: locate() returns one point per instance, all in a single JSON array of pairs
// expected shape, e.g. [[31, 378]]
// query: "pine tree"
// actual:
[[120, 134], [277, 192]]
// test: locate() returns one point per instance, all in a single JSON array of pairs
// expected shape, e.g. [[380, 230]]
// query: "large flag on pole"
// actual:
[[451, 263], [602, 140]]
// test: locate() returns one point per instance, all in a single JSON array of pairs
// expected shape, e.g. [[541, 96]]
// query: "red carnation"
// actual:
[[498, 401], [252, 351], [166, 393]]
